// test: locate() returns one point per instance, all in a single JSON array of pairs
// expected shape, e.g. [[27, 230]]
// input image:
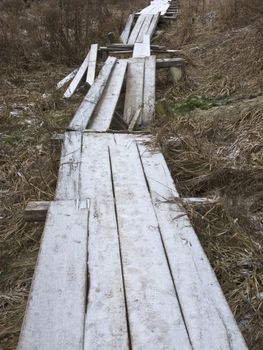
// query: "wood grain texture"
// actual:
[[155, 319], [56, 307], [105, 325], [69, 168]]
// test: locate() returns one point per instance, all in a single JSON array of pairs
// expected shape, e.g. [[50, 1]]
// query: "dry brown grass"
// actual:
[[218, 153]]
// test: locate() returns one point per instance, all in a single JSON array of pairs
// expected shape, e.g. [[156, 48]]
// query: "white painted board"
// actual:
[[54, 318]]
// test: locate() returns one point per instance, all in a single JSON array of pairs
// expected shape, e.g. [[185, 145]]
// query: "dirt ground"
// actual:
[[210, 128]]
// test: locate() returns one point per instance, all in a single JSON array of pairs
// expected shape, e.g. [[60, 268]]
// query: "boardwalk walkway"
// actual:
[[120, 266]]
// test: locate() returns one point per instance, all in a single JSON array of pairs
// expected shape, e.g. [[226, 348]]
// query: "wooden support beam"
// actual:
[[36, 211], [169, 62]]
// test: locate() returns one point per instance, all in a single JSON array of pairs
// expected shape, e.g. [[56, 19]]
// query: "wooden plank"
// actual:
[[76, 81], [169, 62], [155, 319], [142, 49], [134, 120], [69, 168], [153, 24], [149, 91], [55, 312], [134, 88], [105, 109], [126, 32], [36, 211], [144, 29], [105, 324], [87, 107], [136, 30], [92, 64], [69, 77], [209, 320]]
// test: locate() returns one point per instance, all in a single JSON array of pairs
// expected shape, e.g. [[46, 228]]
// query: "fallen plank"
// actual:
[[36, 211], [92, 64], [105, 323], [148, 110], [155, 318], [87, 107], [134, 88], [69, 77], [209, 321], [136, 30], [126, 32], [69, 168], [54, 318], [105, 109], [169, 62], [76, 81]]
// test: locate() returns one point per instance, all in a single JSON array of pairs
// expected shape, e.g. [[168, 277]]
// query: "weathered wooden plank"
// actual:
[[55, 312], [67, 79], [153, 24], [155, 319], [149, 91], [142, 49], [136, 30], [134, 120], [76, 81], [134, 88], [36, 211], [69, 168], [92, 64], [93, 96], [105, 324], [105, 109], [144, 29], [126, 32], [209, 320], [169, 62]]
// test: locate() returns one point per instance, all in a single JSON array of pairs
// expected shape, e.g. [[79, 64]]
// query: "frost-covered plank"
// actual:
[[105, 109], [67, 78], [106, 324], [126, 32], [136, 30], [153, 25], [144, 29], [92, 64], [77, 79], [209, 320], [149, 91], [155, 319], [142, 49], [134, 88], [87, 107], [69, 168], [54, 318]]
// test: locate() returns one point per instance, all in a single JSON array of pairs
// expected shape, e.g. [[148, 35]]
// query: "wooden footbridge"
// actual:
[[120, 266]]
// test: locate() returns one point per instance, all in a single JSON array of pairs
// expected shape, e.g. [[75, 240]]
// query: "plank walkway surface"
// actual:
[[120, 266]]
